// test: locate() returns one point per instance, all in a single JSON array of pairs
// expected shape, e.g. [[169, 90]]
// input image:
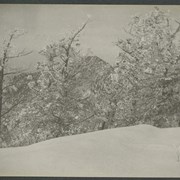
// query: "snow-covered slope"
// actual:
[[140, 150]]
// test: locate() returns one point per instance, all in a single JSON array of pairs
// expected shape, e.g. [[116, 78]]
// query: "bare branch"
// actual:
[[15, 72], [4, 59], [72, 76], [130, 33], [176, 31], [20, 54], [71, 41], [12, 107], [86, 119], [9, 85], [128, 53], [76, 34], [54, 115], [59, 118]]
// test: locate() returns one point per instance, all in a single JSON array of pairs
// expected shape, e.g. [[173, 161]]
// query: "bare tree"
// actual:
[[4, 72]]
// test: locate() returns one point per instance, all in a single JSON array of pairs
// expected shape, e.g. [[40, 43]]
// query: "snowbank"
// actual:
[[142, 151]]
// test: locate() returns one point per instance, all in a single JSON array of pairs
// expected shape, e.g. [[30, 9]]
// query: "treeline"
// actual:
[[72, 94]]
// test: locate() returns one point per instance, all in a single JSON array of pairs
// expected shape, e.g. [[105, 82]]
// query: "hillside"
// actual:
[[86, 71], [141, 150], [93, 67]]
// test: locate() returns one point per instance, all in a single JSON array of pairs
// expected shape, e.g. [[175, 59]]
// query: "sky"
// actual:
[[49, 23]]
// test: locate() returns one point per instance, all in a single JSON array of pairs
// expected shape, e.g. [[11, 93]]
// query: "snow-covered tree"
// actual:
[[9, 92], [149, 60], [59, 98]]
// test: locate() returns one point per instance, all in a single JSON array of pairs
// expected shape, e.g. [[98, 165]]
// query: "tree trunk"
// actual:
[[178, 121], [1, 96], [103, 125], [110, 115]]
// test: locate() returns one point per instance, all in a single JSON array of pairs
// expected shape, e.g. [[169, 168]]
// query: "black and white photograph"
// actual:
[[89, 90]]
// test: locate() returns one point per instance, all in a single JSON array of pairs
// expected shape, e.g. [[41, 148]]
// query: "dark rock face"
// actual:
[[93, 69], [94, 78]]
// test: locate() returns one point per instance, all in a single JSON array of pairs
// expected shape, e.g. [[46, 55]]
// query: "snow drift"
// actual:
[[142, 151]]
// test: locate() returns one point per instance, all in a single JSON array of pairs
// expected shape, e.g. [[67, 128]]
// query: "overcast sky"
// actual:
[[48, 23]]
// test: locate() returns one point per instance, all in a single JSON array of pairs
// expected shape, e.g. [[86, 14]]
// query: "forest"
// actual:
[[70, 93]]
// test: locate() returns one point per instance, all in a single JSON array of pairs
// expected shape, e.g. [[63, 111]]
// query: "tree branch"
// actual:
[[20, 54], [177, 30], [13, 106], [129, 53], [71, 41], [54, 115], [14, 72], [89, 117], [6, 49]]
